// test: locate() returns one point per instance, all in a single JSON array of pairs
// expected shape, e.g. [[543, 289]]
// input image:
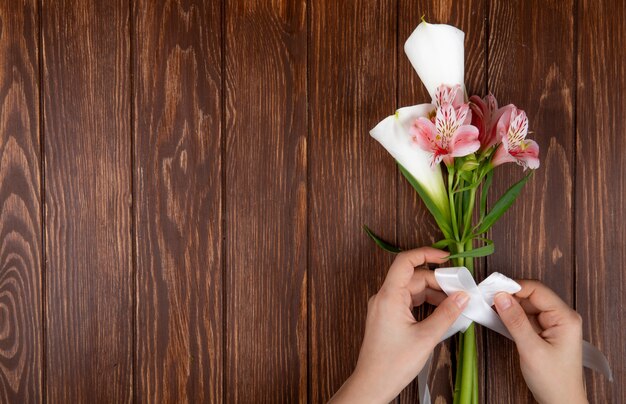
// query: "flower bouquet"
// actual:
[[447, 150]]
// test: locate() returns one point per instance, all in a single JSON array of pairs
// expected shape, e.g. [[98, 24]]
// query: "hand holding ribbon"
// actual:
[[396, 347], [543, 327]]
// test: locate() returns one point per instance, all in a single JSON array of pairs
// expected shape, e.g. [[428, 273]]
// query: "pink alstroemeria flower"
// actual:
[[513, 127], [448, 137], [485, 116]]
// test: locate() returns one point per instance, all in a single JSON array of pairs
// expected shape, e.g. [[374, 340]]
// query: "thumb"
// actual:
[[445, 315], [514, 318]]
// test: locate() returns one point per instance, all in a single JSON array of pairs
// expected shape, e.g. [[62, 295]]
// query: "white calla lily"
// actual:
[[437, 53], [393, 134]]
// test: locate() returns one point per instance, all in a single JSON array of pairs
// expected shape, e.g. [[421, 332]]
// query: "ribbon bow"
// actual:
[[479, 310]]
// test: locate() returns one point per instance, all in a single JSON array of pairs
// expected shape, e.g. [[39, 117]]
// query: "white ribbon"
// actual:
[[479, 310]]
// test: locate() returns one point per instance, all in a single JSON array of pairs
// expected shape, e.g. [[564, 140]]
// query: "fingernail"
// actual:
[[461, 299], [503, 301]]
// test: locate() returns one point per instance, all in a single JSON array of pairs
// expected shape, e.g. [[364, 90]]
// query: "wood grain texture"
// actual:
[[601, 189], [352, 53], [531, 57], [178, 219], [266, 201], [415, 225], [21, 350], [195, 232], [86, 106]]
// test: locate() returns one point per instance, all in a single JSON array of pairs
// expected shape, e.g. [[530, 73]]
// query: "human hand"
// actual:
[[548, 335], [396, 346]]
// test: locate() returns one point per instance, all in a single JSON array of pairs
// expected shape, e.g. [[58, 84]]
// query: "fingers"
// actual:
[[402, 269], [422, 279], [444, 315], [423, 287], [516, 321], [550, 309], [540, 296], [434, 297], [569, 319]]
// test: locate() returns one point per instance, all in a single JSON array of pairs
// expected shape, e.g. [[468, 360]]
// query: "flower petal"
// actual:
[[453, 95], [393, 134], [479, 119], [464, 115], [528, 155], [518, 128], [502, 119], [424, 133], [491, 102], [407, 115], [502, 156], [436, 52], [445, 120], [465, 141]]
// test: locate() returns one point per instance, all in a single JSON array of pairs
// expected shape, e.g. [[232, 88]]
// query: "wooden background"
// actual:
[[183, 185]]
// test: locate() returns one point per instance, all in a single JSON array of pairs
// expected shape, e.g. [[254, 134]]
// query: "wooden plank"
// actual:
[[353, 179], [415, 225], [601, 189], [177, 99], [21, 352], [266, 201], [531, 65], [89, 283]]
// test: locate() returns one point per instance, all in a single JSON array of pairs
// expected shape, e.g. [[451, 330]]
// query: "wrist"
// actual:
[[576, 396], [359, 389]]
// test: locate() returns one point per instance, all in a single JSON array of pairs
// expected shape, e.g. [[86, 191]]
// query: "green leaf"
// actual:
[[483, 251], [442, 221], [444, 243], [503, 204], [483, 195], [381, 243]]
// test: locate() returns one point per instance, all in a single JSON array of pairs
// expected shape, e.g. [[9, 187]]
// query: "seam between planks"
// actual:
[[133, 221], [223, 196], [309, 347], [575, 154], [42, 205]]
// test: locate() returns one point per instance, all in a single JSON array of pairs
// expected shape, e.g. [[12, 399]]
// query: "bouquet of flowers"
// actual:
[[448, 150]]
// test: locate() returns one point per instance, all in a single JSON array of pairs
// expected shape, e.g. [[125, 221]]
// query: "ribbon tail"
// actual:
[[594, 359], [422, 381]]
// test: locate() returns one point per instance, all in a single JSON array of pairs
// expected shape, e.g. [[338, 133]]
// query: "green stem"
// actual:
[[467, 226], [459, 367], [468, 366], [453, 218], [466, 379], [469, 262], [475, 381]]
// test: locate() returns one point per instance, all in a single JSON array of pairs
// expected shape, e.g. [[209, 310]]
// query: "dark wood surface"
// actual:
[[183, 185], [265, 196], [351, 85], [177, 90], [600, 188], [87, 275], [21, 269]]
